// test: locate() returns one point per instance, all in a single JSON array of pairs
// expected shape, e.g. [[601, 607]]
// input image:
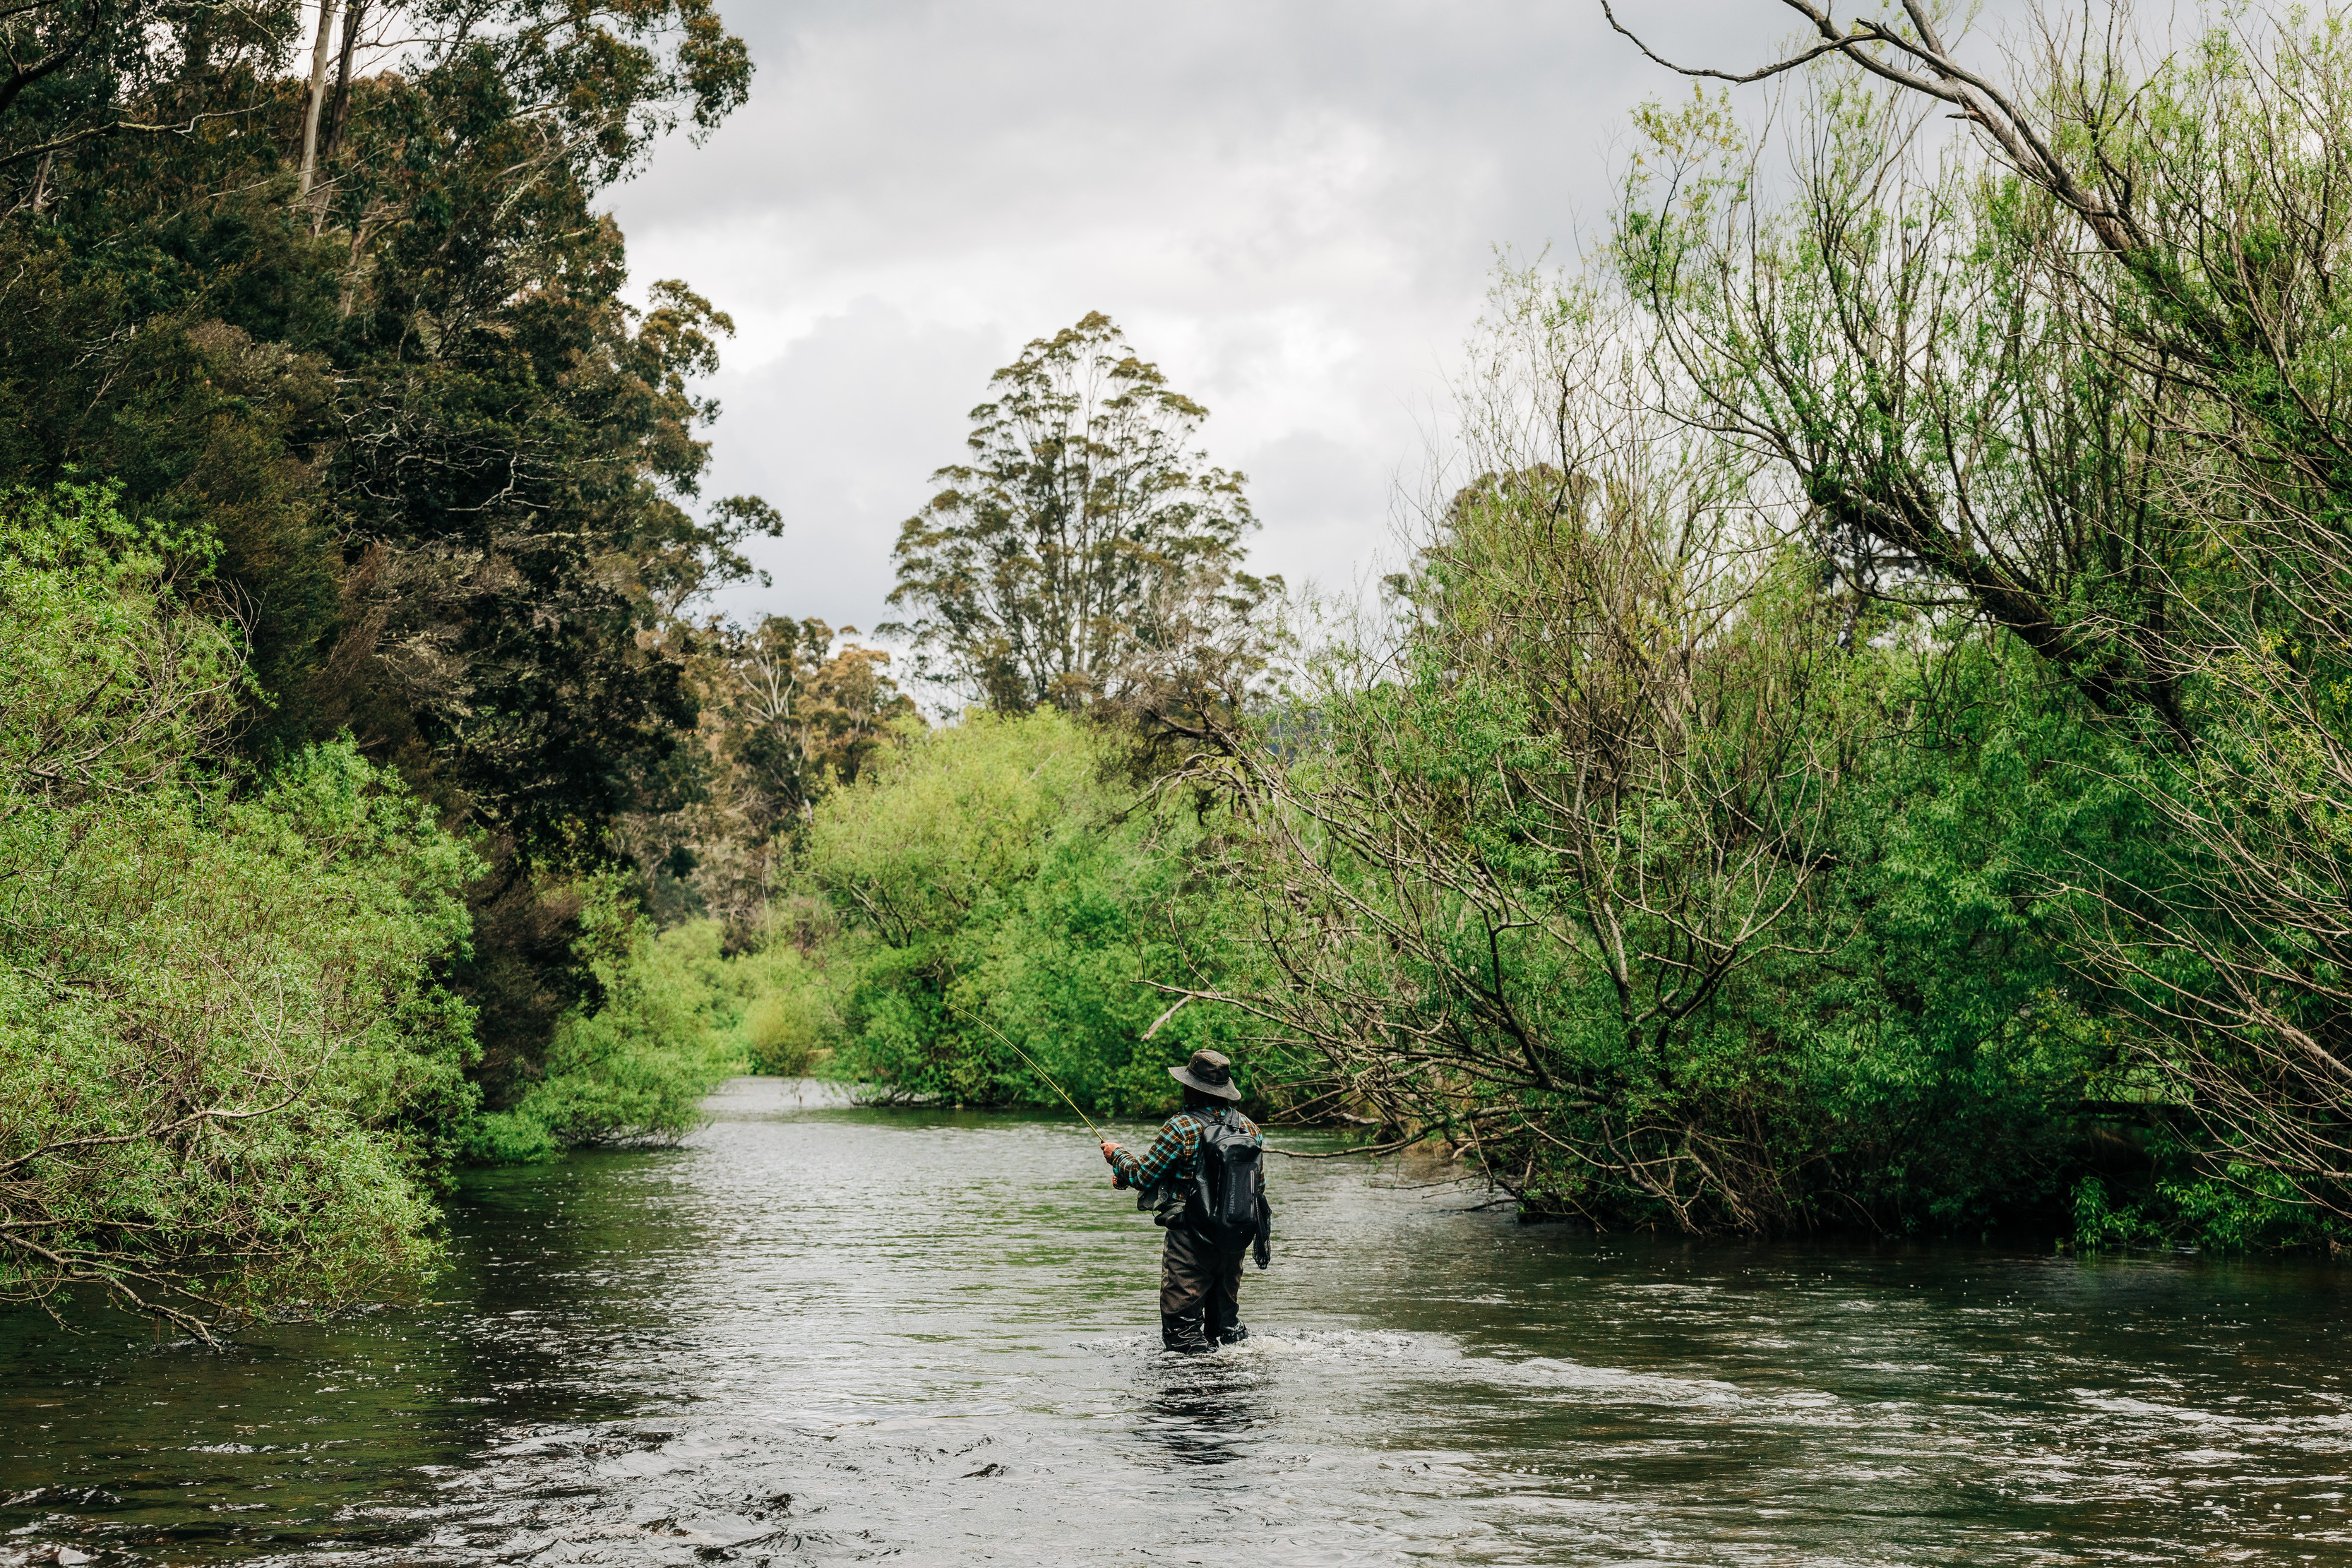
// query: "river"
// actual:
[[820, 1334]]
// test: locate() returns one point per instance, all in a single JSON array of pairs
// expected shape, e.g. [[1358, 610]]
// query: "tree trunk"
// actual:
[[317, 95], [338, 107]]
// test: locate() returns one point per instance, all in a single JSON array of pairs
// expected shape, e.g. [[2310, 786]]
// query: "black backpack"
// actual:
[[1228, 1186]]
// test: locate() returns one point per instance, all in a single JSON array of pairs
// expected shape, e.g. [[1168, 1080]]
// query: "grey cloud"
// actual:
[[1293, 208], [840, 432]]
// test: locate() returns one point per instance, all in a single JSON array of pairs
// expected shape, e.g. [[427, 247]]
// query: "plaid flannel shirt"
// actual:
[[1175, 1154]]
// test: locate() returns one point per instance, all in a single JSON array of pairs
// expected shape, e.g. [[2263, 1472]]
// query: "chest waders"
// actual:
[[1212, 1221]]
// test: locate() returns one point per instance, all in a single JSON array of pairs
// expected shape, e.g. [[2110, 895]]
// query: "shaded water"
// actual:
[[819, 1334]]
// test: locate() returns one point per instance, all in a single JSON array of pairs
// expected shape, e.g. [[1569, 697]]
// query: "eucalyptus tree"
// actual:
[[785, 715], [1085, 540], [446, 461]]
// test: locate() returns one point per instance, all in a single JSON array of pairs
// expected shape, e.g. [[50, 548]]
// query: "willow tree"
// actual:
[[1085, 539], [1549, 881], [2081, 371]]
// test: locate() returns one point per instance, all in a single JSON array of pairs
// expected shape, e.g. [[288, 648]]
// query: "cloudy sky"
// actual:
[[1293, 208]]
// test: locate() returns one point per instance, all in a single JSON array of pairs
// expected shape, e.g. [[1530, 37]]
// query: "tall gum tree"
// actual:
[[1084, 536]]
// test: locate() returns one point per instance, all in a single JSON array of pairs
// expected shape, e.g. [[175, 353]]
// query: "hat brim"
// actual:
[[1221, 1090]]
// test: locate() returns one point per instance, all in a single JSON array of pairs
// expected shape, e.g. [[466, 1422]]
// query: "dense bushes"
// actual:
[[990, 882], [989, 877], [2075, 386], [231, 1078], [633, 1067], [1610, 876], [236, 1072]]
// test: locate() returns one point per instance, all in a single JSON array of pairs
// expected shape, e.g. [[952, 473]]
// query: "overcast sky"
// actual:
[[1293, 208]]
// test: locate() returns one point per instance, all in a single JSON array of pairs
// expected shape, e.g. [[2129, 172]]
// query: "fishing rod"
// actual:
[[1040, 1071]]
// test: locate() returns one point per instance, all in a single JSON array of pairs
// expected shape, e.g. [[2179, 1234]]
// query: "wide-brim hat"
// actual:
[[1210, 1073]]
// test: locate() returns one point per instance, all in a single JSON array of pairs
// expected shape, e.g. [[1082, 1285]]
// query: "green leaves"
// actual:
[[232, 1076], [1084, 543], [116, 681], [2082, 380], [989, 872]]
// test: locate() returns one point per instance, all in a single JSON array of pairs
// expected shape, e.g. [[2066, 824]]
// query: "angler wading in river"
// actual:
[[1204, 1178]]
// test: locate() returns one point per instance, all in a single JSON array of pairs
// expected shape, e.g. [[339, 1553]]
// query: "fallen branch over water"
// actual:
[[1364, 1149]]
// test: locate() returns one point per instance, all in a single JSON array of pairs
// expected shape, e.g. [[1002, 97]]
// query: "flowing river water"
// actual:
[[820, 1334]]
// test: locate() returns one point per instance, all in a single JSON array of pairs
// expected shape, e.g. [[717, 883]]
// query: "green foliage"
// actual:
[[1084, 544], [232, 1078], [2086, 379], [394, 402], [2176, 1193], [632, 1068], [113, 683], [793, 1023], [674, 1012], [1622, 1003], [990, 878]]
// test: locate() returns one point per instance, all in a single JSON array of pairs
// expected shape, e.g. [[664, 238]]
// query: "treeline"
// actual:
[[371, 800], [1866, 750]]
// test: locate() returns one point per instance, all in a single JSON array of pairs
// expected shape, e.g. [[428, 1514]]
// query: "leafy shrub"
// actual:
[[632, 1069], [995, 885], [231, 1077], [792, 1023]]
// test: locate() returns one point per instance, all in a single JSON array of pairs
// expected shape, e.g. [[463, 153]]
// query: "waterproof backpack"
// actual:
[[1227, 1183]]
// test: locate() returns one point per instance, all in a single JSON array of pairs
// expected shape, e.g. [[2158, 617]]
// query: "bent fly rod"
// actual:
[[1040, 1071]]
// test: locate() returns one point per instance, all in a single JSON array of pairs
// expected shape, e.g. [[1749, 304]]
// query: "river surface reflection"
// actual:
[[820, 1334]]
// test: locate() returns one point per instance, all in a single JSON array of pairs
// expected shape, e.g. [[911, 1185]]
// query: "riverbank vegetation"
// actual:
[[1857, 745], [999, 883], [1864, 750], [228, 1070], [354, 726]]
